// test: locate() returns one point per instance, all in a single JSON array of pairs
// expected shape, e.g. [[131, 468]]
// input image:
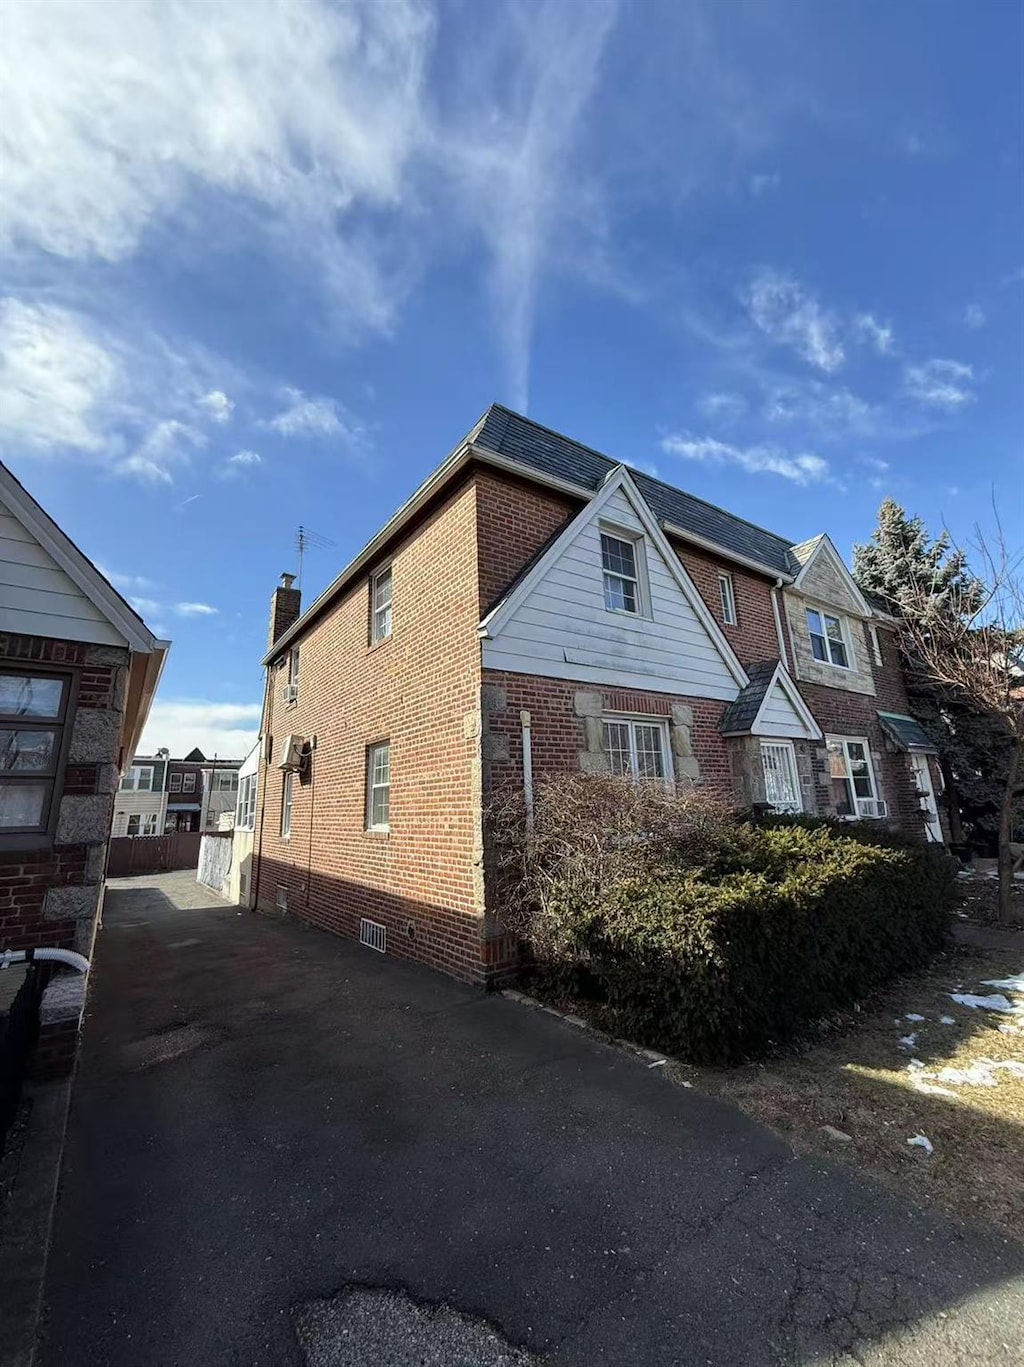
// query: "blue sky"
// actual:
[[265, 264]]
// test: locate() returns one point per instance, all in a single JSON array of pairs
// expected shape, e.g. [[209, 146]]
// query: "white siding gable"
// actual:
[[557, 624], [38, 598], [778, 716]]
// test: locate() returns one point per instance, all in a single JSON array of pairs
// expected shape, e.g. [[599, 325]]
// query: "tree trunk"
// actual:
[[956, 829], [1005, 833]]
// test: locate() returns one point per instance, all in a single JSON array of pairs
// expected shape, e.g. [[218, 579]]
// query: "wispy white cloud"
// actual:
[[821, 408], [145, 605], [312, 415], [195, 610], [56, 380], [722, 406], [878, 335], [227, 730], [116, 119], [239, 463], [217, 406], [168, 444], [975, 316], [128, 583], [244, 458], [761, 459], [939, 383], [791, 317]]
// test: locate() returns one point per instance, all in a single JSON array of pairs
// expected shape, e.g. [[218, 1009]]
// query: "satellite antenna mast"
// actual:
[[307, 539], [301, 542]]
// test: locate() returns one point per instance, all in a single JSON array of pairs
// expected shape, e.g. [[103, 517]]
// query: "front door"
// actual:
[[926, 792], [781, 788]]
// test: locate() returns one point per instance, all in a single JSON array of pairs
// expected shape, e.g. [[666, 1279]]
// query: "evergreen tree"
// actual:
[[911, 574]]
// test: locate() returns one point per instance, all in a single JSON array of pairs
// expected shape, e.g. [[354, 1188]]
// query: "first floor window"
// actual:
[[621, 585], [828, 642], [245, 811], [380, 628], [33, 712], [287, 790], [854, 793], [142, 823], [728, 599], [781, 786], [637, 748], [378, 787]]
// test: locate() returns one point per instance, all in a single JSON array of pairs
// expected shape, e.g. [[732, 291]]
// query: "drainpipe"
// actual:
[[524, 719], [778, 621], [60, 956]]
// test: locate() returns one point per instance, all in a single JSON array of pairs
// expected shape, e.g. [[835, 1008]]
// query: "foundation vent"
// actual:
[[281, 900], [373, 935]]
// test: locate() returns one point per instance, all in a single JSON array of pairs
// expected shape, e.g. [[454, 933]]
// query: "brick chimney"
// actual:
[[285, 608]]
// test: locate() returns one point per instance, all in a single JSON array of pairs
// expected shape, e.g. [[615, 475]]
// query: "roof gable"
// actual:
[[769, 706], [554, 620], [824, 576], [51, 588]]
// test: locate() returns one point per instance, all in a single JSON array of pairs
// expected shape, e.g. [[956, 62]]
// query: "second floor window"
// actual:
[[725, 588], [188, 783], [174, 783], [380, 625], [828, 641], [618, 563], [245, 812], [138, 779], [287, 792], [225, 781]]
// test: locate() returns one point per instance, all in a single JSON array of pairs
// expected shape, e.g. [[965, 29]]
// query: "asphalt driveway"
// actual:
[[284, 1148]]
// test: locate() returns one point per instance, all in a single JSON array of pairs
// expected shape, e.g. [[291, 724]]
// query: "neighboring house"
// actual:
[[159, 795], [537, 607], [240, 889], [78, 671]]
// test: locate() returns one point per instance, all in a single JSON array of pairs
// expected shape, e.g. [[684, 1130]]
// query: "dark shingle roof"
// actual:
[[520, 439], [740, 715], [905, 731]]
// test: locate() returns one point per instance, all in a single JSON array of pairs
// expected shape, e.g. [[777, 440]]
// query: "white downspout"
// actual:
[[778, 622], [524, 719]]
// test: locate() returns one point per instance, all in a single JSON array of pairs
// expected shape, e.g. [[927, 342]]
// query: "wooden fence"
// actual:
[[134, 854]]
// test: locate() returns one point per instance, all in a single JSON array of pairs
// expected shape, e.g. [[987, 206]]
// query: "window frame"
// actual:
[[174, 783], [287, 803], [136, 787], [217, 784], [727, 593], [144, 820], [188, 782], [641, 593], [245, 803], [40, 836], [372, 827], [876, 645], [845, 640], [382, 630], [848, 778], [787, 746], [294, 663], [632, 720]]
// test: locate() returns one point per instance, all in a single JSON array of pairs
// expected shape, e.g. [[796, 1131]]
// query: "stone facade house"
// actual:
[[78, 672], [539, 607]]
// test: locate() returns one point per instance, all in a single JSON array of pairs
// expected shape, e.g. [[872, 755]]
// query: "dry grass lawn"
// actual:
[[883, 1076]]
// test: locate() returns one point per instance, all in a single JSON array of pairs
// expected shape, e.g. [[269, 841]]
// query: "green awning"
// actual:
[[907, 733]]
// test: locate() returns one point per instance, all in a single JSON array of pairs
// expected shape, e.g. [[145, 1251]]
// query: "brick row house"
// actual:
[[78, 672], [538, 607]]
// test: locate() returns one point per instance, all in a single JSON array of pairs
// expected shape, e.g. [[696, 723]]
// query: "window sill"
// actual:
[[376, 645], [378, 832]]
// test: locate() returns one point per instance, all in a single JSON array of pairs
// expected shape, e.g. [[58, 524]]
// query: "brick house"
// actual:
[[537, 607], [78, 672]]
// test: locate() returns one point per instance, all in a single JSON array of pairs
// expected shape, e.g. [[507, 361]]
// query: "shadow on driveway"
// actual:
[[265, 1115]]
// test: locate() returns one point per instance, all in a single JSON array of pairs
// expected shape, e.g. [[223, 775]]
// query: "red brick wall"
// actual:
[[891, 689], [754, 636], [514, 520], [419, 690], [855, 714], [557, 733]]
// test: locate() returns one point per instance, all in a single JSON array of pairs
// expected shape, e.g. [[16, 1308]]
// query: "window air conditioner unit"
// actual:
[[291, 752], [871, 807], [290, 692]]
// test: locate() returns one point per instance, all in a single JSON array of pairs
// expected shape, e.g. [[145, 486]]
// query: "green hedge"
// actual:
[[783, 926]]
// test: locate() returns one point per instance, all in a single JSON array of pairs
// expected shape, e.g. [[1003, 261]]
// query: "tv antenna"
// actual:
[[307, 539]]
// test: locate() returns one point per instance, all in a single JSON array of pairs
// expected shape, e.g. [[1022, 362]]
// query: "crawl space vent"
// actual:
[[373, 935], [282, 898]]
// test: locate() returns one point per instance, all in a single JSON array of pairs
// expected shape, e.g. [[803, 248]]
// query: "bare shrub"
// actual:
[[590, 832]]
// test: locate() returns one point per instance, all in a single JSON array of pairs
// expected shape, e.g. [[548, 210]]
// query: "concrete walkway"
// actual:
[[284, 1149]]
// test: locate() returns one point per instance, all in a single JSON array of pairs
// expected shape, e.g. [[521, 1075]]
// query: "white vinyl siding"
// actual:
[[563, 629], [38, 597], [728, 596], [779, 717]]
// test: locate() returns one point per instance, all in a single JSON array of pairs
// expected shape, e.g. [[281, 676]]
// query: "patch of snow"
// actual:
[[950, 1020], [913, 1016], [908, 1041], [995, 1002], [914, 1064], [1007, 984], [980, 1073], [931, 1089], [1011, 1029], [921, 1141]]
